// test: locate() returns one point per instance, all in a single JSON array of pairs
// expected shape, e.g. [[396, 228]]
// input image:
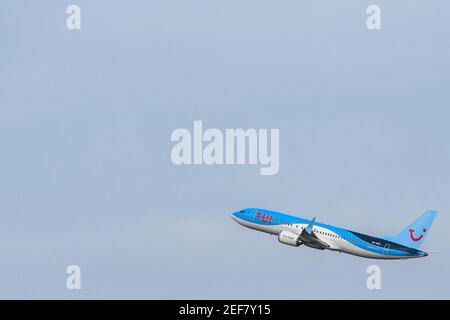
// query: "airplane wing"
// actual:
[[309, 239]]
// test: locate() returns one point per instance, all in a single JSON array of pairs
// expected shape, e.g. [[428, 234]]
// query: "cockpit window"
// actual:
[[242, 211]]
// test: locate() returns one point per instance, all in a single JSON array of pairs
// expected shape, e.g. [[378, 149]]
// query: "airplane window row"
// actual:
[[332, 235], [329, 234]]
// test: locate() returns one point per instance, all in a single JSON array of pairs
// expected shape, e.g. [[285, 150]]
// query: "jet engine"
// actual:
[[289, 238]]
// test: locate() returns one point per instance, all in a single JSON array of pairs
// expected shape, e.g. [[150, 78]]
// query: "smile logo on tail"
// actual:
[[411, 232]]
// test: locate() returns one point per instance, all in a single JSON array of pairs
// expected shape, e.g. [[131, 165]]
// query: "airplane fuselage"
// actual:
[[292, 231]]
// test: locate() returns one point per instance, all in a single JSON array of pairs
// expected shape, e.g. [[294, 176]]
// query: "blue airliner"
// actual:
[[296, 231]]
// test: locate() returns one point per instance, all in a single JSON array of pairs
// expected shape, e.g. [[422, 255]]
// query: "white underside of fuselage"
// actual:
[[335, 243]]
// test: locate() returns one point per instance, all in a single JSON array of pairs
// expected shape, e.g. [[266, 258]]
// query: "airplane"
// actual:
[[296, 231]]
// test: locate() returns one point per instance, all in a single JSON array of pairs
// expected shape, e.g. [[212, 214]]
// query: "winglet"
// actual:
[[310, 226]]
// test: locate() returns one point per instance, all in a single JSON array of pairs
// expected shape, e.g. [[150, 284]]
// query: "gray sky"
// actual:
[[85, 123]]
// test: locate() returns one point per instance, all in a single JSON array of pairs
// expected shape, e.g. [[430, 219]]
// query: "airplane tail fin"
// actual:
[[414, 235]]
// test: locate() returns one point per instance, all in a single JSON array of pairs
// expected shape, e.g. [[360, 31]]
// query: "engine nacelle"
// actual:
[[289, 238]]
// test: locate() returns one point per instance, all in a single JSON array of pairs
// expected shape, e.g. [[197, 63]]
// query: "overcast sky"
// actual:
[[86, 117]]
